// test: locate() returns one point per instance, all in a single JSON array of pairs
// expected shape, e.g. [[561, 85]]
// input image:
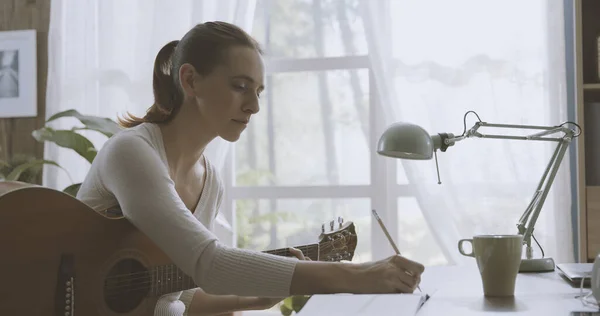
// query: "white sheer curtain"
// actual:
[[101, 56], [435, 60]]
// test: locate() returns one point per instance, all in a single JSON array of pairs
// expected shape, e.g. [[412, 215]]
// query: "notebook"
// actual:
[[364, 304]]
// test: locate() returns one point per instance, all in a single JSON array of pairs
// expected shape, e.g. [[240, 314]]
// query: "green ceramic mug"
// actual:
[[498, 258]]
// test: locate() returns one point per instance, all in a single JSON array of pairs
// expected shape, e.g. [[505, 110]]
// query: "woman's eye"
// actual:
[[241, 87]]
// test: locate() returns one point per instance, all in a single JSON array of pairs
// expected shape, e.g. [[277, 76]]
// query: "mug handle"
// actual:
[[462, 251]]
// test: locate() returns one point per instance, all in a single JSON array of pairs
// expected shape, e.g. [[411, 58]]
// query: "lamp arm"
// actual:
[[527, 221], [526, 225], [474, 132], [525, 217]]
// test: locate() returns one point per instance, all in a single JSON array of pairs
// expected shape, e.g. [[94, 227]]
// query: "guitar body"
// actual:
[[37, 227], [59, 257]]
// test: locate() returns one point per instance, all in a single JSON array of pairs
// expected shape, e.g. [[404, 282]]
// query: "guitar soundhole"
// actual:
[[126, 286]]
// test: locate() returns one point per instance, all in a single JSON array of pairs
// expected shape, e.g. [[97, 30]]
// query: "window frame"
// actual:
[[383, 190]]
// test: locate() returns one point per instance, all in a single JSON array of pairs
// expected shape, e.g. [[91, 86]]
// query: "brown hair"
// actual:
[[204, 47]]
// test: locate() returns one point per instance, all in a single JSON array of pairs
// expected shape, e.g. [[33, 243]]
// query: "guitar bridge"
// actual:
[[64, 297]]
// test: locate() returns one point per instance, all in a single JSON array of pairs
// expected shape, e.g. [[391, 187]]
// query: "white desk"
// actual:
[[460, 292], [457, 290]]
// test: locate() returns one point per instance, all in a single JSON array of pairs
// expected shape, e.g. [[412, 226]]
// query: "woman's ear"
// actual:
[[187, 78]]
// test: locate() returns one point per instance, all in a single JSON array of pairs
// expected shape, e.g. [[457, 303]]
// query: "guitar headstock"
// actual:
[[339, 243]]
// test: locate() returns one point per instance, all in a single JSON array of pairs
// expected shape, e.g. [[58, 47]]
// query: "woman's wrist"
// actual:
[[207, 304], [325, 278]]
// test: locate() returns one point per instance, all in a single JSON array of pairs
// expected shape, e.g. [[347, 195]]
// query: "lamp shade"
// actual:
[[406, 141]]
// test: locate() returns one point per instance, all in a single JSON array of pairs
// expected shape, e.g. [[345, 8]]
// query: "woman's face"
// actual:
[[228, 96]]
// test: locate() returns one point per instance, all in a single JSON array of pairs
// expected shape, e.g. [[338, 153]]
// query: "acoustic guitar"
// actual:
[[60, 257]]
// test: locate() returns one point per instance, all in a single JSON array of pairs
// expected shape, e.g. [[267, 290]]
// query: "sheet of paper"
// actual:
[[363, 304], [335, 304]]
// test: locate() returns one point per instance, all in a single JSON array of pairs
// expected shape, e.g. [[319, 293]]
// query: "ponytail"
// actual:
[[167, 97]]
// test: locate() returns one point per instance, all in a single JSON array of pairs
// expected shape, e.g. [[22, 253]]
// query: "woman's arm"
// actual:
[[134, 173], [204, 304], [132, 170], [318, 277]]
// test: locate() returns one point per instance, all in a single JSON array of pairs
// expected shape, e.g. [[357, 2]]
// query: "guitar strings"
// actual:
[[165, 287], [145, 284], [124, 288], [164, 268], [111, 292], [157, 290], [279, 252], [159, 272]]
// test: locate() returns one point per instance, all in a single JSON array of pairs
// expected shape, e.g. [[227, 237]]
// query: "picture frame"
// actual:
[[18, 74]]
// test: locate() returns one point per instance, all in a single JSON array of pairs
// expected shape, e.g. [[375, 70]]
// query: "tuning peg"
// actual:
[[331, 225], [340, 221]]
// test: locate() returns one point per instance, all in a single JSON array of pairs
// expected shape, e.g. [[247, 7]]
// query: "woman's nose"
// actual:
[[252, 106]]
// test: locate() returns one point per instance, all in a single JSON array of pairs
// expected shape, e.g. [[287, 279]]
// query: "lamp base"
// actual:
[[537, 265]]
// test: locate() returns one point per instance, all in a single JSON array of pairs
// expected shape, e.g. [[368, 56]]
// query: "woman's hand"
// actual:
[[395, 274], [298, 254]]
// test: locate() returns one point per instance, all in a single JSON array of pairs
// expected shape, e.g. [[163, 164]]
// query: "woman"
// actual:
[[207, 85]]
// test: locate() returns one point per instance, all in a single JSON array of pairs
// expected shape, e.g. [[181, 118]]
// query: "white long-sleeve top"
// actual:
[[130, 173]]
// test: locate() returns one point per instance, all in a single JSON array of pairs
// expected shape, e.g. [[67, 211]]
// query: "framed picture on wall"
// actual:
[[18, 74]]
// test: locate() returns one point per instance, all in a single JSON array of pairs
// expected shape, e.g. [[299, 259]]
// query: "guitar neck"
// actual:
[[169, 278], [311, 251]]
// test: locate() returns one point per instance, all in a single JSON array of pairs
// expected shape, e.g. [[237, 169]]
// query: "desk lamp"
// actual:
[[409, 141]]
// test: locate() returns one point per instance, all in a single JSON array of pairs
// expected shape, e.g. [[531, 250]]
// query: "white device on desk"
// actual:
[[575, 272], [596, 279]]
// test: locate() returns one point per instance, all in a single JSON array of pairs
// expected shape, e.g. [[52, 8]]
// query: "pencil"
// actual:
[[387, 234]]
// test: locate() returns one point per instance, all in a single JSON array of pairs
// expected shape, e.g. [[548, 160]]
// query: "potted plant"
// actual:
[[66, 138]]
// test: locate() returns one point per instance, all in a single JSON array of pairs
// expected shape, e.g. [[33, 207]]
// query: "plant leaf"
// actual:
[[72, 189], [285, 310], [298, 302], [15, 174], [103, 125], [287, 302], [67, 139]]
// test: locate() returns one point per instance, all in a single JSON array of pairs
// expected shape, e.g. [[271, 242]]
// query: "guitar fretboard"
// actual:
[[169, 278], [310, 251]]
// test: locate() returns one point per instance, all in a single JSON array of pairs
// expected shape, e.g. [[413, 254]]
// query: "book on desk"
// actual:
[[364, 304]]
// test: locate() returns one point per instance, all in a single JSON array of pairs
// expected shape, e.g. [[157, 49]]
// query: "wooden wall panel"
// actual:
[[15, 133], [593, 222]]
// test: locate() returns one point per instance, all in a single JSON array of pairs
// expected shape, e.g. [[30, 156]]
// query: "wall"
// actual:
[[15, 133]]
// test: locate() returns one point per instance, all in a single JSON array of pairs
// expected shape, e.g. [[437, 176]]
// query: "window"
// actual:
[[309, 156]]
